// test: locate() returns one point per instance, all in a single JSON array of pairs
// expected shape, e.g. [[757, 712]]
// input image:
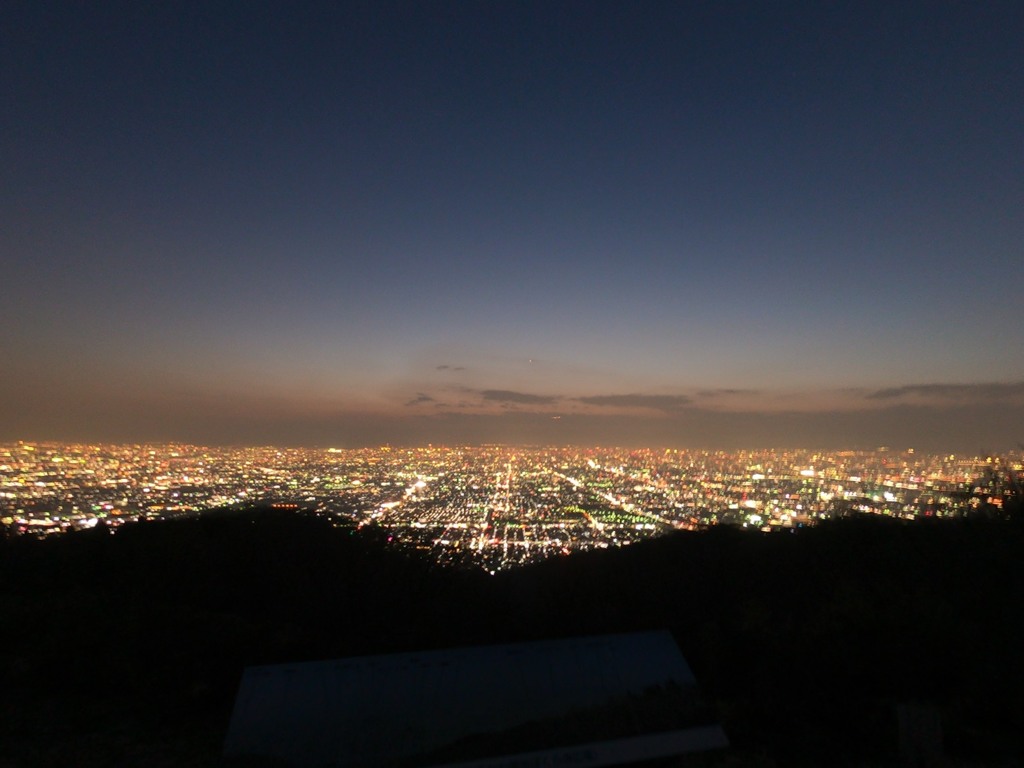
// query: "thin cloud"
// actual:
[[711, 393], [958, 393], [521, 398], [667, 403], [450, 368], [420, 399]]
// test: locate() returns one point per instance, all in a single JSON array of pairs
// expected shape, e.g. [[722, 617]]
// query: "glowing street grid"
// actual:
[[492, 507]]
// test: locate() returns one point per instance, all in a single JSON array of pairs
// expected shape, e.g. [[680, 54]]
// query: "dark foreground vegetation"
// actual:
[[127, 649]]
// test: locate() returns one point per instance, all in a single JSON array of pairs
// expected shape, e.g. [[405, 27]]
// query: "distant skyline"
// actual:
[[715, 225]]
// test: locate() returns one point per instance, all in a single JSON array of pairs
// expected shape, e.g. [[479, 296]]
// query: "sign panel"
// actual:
[[580, 702]]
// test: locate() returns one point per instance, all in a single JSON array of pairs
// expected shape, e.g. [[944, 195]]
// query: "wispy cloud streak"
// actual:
[[521, 398], [954, 393]]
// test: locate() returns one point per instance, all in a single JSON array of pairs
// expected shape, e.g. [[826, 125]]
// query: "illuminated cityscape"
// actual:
[[494, 507], [357, 330]]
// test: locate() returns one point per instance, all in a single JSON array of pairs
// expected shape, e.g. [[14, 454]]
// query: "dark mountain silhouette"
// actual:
[[127, 649]]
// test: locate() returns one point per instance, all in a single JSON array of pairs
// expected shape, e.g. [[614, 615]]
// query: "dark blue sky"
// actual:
[[669, 223]]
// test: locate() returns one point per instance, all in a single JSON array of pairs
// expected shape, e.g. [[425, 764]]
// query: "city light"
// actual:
[[491, 507]]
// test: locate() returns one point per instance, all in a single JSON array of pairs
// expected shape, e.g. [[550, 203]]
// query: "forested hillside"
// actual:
[[126, 649]]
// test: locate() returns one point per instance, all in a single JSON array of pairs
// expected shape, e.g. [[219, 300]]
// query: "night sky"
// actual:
[[693, 224]]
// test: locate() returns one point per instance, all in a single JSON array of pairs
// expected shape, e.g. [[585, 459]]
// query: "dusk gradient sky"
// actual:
[[693, 224]]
